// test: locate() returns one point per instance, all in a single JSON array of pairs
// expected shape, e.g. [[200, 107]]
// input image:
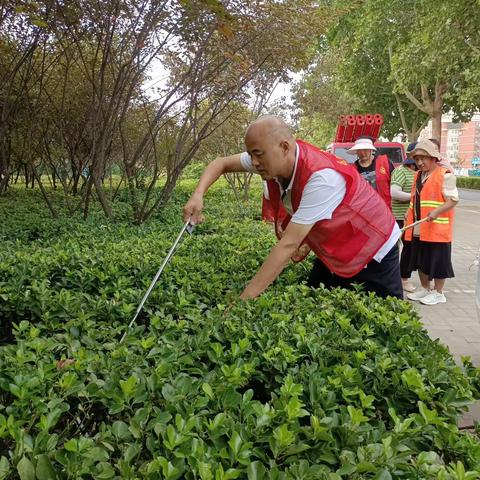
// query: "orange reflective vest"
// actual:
[[431, 197]]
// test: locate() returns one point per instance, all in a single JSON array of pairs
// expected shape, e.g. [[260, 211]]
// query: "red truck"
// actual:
[[350, 127]]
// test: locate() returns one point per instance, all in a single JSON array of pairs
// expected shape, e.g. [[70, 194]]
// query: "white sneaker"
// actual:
[[408, 286], [433, 298], [420, 293]]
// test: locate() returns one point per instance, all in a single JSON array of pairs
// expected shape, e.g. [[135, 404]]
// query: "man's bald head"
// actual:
[[271, 146], [270, 126]]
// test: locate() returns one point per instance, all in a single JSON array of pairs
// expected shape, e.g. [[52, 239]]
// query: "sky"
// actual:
[[159, 75]]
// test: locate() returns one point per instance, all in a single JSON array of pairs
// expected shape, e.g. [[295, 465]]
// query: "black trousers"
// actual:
[[383, 277]]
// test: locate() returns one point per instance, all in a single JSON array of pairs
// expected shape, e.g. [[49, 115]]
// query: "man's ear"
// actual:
[[285, 146]]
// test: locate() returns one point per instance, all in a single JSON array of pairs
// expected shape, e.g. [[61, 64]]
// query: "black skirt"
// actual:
[[431, 258]]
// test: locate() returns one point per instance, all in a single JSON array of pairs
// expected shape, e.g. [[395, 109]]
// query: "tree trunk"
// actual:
[[88, 193], [246, 185], [102, 198], [132, 191], [431, 106], [4, 183], [437, 125], [44, 193], [76, 179]]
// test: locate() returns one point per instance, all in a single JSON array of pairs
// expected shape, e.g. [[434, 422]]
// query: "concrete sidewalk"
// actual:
[[456, 323]]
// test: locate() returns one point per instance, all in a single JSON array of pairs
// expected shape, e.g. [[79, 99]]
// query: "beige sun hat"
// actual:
[[427, 148], [362, 144]]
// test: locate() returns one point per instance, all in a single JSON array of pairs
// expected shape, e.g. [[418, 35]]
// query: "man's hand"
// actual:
[[279, 256], [301, 253], [193, 209]]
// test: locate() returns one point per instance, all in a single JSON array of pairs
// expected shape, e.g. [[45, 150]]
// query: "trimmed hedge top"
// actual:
[[300, 383]]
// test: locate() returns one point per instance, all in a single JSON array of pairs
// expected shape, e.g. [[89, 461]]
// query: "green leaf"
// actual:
[[106, 471], [44, 469], [235, 443], [49, 421], [39, 22], [346, 469], [283, 435], [132, 452], [382, 474], [71, 445], [25, 469], [208, 390], [4, 467], [129, 386], [205, 471], [120, 430], [255, 471], [356, 415]]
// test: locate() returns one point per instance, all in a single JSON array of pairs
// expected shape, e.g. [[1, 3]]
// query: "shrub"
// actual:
[[299, 383], [468, 182]]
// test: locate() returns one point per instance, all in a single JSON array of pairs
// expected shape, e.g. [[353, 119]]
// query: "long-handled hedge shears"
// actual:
[[187, 227]]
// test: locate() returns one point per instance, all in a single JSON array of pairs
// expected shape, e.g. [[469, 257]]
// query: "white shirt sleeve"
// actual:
[[398, 194], [246, 161], [450, 187], [322, 194]]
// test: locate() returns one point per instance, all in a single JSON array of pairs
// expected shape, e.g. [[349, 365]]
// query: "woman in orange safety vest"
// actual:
[[434, 196]]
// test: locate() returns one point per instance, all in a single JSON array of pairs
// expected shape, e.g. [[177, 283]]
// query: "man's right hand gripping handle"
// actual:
[[193, 209]]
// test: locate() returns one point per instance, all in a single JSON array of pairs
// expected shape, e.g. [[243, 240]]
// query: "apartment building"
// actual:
[[460, 142]]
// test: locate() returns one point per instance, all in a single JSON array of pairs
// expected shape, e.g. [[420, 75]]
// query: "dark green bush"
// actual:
[[298, 384], [468, 182]]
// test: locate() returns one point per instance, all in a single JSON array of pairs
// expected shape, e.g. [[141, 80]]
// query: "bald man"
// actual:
[[320, 203]]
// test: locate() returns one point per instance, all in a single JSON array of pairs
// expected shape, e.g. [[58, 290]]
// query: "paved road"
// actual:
[[469, 195]]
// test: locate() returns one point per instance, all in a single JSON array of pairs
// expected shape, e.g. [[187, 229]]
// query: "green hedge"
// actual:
[[298, 384], [468, 182]]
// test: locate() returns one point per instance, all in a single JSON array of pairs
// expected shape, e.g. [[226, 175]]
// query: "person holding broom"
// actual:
[[433, 199]]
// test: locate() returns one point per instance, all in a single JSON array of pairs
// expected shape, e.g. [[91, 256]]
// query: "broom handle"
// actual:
[[418, 222]]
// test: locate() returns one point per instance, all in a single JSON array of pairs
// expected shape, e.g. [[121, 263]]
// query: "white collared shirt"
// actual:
[[322, 194]]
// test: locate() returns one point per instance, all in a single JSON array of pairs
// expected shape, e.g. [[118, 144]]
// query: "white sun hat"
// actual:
[[362, 144]]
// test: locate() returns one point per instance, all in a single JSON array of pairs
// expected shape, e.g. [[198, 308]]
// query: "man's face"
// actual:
[[364, 155], [268, 155]]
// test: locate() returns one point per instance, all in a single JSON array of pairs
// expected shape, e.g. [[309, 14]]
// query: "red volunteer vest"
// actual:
[[382, 174], [360, 225]]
